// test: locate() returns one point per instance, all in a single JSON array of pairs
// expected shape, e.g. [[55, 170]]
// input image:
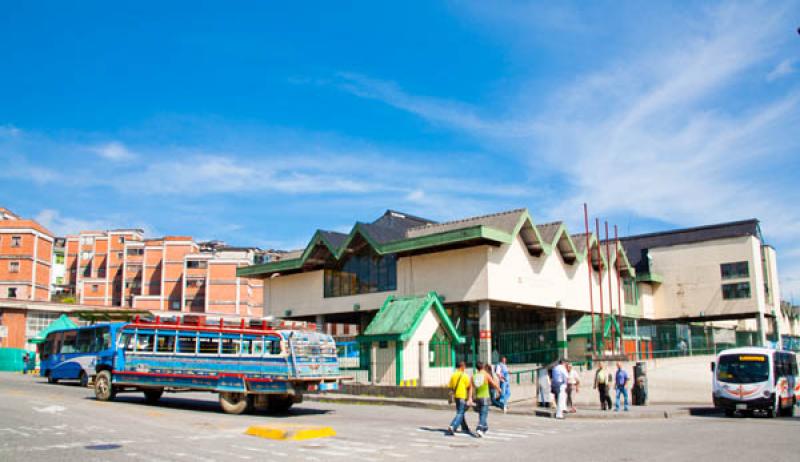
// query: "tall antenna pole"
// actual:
[[600, 284], [589, 266], [619, 293], [610, 295]]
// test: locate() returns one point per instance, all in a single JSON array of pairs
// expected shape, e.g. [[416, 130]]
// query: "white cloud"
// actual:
[[114, 151], [782, 69], [665, 133]]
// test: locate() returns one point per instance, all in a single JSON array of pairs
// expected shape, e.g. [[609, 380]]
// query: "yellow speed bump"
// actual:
[[290, 432]]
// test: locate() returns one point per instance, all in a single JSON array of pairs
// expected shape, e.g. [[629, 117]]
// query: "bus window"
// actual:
[[187, 343], [272, 346], [102, 339], [208, 345], [230, 346], [126, 341], [68, 345], [257, 347], [750, 368], [85, 340], [58, 340], [165, 343], [247, 345], [144, 342], [47, 347]]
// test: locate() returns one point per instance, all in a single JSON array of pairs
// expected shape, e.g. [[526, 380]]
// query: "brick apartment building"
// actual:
[[170, 274], [25, 258]]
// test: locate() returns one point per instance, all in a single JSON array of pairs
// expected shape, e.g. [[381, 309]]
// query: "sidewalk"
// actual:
[[525, 407]]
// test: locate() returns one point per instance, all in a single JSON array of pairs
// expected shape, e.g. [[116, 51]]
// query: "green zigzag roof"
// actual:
[[451, 236]]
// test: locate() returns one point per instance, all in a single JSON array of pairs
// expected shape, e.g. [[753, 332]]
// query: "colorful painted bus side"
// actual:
[[70, 354], [247, 366]]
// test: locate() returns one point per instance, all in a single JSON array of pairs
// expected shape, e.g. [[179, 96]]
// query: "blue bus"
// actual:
[[70, 354], [250, 366]]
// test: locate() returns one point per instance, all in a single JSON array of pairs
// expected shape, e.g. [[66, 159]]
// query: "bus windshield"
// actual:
[[743, 368]]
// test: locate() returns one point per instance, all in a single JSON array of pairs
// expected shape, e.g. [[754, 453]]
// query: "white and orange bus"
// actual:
[[756, 379]]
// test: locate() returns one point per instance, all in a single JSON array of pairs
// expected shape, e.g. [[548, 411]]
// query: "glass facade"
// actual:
[[363, 273]]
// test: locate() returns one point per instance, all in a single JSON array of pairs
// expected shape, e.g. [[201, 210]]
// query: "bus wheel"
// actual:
[[50, 378], [103, 389], [279, 404], [233, 403], [83, 379], [153, 395]]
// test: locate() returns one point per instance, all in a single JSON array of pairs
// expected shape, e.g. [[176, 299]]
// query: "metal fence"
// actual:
[[527, 346]]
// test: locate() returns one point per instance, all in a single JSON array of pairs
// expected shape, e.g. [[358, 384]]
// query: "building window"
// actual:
[[735, 270], [95, 287], [16, 241], [122, 239], [59, 259], [736, 290], [60, 280], [12, 292], [87, 271], [119, 255], [176, 305], [362, 273], [631, 294], [13, 267], [87, 240], [197, 264], [135, 251]]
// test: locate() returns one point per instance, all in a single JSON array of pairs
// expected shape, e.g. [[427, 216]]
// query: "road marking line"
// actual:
[[12, 430]]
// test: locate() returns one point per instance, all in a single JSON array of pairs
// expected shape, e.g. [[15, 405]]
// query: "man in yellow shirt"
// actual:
[[460, 384]]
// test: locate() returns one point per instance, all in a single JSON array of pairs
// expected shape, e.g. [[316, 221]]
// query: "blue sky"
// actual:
[[256, 123]]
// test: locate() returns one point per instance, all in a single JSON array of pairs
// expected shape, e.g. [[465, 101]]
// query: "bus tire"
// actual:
[[279, 404], [83, 379], [233, 403], [152, 395], [50, 378], [103, 388]]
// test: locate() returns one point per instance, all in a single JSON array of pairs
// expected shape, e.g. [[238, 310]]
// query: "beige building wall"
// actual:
[[692, 281], [516, 276], [459, 275]]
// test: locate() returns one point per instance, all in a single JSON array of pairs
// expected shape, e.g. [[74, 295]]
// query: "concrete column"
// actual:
[[561, 334], [423, 363], [636, 335], [373, 372], [485, 331], [320, 321], [762, 329]]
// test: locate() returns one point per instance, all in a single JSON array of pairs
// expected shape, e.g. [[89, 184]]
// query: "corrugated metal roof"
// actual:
[[548, 231], [503, 221]]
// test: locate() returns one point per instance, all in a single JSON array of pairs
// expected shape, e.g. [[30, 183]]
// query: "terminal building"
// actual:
[[518, 287]]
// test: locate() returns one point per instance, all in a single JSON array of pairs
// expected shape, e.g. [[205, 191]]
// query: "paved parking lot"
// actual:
[[64, 422]]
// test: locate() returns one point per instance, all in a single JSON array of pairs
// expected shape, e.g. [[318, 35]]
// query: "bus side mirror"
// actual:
[[713, 366]]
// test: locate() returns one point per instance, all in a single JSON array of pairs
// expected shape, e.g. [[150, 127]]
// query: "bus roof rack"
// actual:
[[222, 322]]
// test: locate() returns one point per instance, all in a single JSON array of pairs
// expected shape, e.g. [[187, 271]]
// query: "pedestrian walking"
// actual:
[[503, 376], [559, 387], [460, 386], [601, 381], [25, 360], [573, 385], [482, 397], [620, 384], [543, 382]]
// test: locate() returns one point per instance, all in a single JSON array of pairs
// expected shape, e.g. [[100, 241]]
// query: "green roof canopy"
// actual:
[[399, 318], [583, 328], [62, 322]]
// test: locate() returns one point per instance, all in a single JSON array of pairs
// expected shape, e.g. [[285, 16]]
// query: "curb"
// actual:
[[289, 432], [682, 409]]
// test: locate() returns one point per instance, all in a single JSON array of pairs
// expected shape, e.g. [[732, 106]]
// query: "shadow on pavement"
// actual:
[[204, 405]]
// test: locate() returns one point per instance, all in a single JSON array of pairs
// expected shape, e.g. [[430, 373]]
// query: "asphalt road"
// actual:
[[63, 422]]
